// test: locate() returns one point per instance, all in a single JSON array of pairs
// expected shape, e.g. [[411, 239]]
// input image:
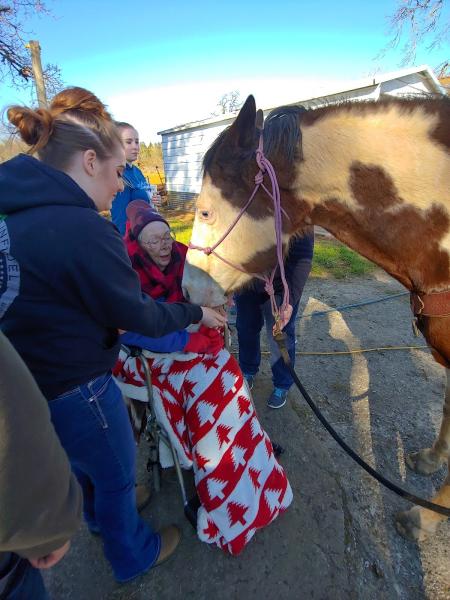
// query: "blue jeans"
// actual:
[[93, 426], [251, 314], [25, 582]]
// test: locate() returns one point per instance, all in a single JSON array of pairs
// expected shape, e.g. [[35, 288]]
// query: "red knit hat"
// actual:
[[140, 214]]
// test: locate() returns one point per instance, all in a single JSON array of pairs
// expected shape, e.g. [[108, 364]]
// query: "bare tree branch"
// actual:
[[415, 23], [229, 102], [15, 61]]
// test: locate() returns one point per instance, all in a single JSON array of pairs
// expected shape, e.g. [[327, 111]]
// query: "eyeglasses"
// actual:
[[157, 242]]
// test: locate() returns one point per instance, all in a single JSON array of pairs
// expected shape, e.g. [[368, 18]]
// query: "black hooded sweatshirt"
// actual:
[[66, 282]]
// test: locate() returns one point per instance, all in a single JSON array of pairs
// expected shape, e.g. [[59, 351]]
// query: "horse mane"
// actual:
[[282, 132]]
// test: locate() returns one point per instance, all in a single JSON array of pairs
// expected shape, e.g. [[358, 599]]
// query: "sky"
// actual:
[[162, 64]]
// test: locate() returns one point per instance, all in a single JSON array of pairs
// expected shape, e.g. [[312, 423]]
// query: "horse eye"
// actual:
[[204, 214]]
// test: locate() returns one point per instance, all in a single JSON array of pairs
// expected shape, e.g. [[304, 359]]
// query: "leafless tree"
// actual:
[[415, 23], [229, 102], [15, 60]]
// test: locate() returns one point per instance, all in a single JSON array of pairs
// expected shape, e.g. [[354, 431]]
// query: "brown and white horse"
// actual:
[[377, 176]]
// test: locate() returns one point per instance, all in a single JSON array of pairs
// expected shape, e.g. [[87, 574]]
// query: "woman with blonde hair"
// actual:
[[135, 186], [67, 290]]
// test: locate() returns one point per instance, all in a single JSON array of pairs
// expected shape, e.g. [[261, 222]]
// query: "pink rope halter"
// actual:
[[265, 167]]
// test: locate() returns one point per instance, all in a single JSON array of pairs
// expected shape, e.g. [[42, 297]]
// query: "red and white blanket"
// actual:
[[204, 404]]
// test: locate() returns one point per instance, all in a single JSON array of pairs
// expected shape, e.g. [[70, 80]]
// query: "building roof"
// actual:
[[423, 71]]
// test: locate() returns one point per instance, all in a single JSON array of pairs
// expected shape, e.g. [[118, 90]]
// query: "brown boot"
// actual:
[[170, 538], [143, 496]]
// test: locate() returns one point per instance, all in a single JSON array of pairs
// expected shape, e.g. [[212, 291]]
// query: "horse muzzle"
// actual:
[[200, 288]]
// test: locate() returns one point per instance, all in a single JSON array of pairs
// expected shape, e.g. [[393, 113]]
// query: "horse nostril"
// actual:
[[185, 293]]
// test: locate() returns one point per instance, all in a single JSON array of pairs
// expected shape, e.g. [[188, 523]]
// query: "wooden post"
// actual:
[[35, 51]]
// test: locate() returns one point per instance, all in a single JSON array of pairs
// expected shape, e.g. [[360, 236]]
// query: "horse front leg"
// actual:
[[429, 460], [418, 523]]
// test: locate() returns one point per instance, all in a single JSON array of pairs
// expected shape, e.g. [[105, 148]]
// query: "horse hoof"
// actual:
[[423, 462], [409, 525]]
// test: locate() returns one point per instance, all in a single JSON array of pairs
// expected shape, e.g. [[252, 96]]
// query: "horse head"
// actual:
[[248, 246]]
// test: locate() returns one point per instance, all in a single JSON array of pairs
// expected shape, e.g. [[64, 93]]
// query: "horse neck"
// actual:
[[365, 185]]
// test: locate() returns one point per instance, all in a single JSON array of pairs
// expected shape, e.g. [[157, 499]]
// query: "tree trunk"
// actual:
[[35, 51]]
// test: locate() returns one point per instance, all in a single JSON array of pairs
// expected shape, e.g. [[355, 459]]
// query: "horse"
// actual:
[[376, 175]]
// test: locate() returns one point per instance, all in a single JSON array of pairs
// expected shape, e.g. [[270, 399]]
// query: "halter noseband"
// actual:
[[265, 167]]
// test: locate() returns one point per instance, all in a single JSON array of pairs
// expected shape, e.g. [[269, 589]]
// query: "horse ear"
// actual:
[[242, 131]]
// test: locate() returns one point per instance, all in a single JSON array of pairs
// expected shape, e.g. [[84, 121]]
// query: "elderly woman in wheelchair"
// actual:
[[201, 400]]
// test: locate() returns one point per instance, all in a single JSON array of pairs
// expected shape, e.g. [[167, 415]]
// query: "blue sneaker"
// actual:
[[250, 379], [277, 398]]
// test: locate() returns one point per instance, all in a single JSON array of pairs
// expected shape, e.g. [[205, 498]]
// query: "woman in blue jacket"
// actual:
[[135, 187], [67, 289]]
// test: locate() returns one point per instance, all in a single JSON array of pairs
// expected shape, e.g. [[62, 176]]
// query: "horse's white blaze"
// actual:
[[247, 238], [395, 140]]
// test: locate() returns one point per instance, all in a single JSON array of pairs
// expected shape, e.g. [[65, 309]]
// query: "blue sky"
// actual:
[[162, 64]]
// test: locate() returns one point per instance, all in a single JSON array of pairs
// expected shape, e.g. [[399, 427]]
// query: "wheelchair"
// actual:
[[154, 435]]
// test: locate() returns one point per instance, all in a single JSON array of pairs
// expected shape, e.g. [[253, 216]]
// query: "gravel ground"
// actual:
[[337, 540]]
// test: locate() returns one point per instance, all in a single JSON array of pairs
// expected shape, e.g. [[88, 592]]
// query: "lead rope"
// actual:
[[280, 338], [265, 166]]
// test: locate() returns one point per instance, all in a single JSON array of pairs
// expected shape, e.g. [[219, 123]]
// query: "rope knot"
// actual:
[[260, 160], [259, 178], [268, 286]]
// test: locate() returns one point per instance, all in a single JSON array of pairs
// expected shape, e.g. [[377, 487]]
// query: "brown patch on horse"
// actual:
[[416, 234], [261, 262], [372, 187], [234, 175], [334, 216], [436, 331], [383, 228]]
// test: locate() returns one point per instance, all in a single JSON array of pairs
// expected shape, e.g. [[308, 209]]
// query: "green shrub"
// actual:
[[333, 259]]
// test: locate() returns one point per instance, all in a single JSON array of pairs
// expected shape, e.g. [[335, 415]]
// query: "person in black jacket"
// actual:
[[253, 310], [67, 290]]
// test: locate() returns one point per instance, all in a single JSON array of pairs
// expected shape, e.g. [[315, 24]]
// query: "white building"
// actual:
[[185, 145]]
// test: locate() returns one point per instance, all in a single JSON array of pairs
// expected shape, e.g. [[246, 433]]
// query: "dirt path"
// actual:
[[337, 541]]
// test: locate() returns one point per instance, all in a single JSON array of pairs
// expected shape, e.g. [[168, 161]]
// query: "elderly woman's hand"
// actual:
[[213, 317]]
